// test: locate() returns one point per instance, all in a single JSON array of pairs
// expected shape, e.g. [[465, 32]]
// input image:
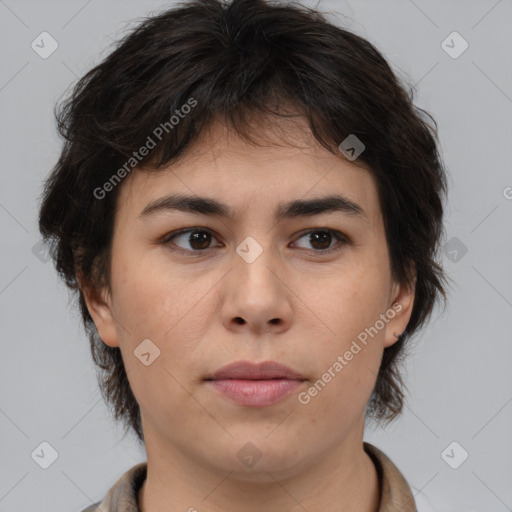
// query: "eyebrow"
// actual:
[[290, 210]]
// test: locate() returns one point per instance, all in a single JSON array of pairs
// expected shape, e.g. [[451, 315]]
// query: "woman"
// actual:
[[248, 205]]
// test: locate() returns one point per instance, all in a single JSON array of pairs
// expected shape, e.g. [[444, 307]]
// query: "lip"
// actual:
[[255, 385], [255, 371]]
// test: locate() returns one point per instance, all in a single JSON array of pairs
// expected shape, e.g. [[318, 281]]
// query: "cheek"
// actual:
[[154, 301], [348, 354], [346, 372], [351, 299], [146, 295], [341, 401]]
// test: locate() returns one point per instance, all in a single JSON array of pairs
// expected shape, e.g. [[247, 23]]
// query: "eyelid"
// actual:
[[167, 239], [340, 237]]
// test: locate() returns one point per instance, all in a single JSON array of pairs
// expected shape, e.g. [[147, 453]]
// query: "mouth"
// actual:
[[247, 370], [255, 385]]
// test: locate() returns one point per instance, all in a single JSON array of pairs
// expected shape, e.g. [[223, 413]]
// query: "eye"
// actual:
[[197, 238], [200, 239], [321, 240]]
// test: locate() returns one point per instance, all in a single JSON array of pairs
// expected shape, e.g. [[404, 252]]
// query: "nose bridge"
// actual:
[[256, 277], [255, 257], [255, 294]]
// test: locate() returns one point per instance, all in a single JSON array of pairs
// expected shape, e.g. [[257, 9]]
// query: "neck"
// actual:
[[344, 479]]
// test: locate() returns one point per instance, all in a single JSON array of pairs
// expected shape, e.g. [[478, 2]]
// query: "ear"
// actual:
[[401, 303], [100, 308]]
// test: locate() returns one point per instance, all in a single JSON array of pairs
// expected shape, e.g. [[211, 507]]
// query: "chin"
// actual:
[[261, 461]]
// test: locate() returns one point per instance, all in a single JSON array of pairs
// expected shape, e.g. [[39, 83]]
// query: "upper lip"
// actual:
[[255, 371]]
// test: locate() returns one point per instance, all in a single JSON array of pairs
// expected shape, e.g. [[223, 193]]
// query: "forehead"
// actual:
[[286, 163]]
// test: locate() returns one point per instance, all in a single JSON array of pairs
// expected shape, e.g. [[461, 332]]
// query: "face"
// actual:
[[310, 289]]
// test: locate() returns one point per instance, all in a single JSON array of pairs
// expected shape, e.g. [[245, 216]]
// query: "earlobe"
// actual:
[[100, 310], [399, 312]]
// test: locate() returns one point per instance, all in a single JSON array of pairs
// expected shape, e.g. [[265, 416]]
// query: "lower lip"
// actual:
[[256, 393]]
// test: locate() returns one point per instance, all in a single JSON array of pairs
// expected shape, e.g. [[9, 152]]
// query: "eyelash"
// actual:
[[340, 237]]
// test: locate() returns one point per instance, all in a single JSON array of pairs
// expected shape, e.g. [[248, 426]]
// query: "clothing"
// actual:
[[396, 495]]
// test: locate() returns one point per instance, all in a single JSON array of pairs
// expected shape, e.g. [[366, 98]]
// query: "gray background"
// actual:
[[459, 372]]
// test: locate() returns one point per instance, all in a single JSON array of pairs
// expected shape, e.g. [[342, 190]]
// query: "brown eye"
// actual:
[[194, 241], [200, 239], [321, 240], [197, 239]]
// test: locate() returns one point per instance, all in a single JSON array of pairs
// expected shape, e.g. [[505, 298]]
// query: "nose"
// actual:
[[256, 293]]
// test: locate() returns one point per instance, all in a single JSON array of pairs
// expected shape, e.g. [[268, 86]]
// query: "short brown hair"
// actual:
[[238, 58]]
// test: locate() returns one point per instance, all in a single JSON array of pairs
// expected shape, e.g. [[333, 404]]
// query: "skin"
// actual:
[[312, 455]]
